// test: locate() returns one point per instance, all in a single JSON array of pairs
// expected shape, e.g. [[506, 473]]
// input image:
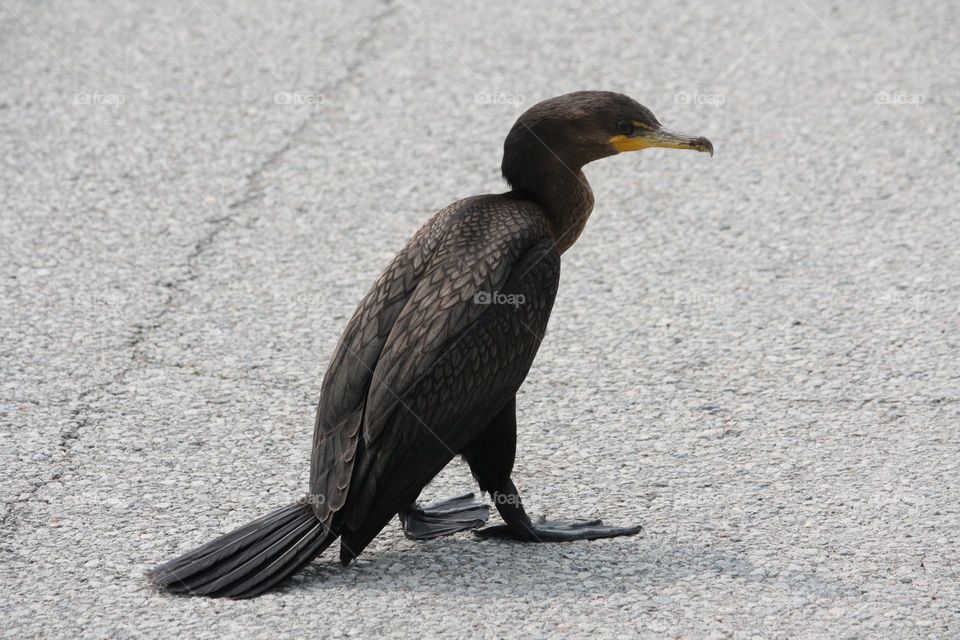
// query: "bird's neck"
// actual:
[[564, 195]]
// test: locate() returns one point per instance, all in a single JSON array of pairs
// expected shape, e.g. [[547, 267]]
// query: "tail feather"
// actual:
[[248, 560], [300, 552], [251, 563], [209, 554], [241, 563]]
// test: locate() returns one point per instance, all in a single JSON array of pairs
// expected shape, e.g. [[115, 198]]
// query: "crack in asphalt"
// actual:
[[251, 193]]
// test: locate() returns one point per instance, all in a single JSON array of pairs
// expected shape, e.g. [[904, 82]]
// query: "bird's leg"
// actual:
[[519, 526], [443, 518]]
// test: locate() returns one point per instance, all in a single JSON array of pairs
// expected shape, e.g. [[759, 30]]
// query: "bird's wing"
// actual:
[[347, 380], [459, 351]]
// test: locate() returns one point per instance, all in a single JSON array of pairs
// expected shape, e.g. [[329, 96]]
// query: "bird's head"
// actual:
[[584, 126]]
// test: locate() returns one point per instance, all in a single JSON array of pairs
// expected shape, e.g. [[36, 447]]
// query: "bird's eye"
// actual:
[[624, 127]]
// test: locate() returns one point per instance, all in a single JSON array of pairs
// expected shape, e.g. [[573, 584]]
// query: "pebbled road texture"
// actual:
[[755, 356]]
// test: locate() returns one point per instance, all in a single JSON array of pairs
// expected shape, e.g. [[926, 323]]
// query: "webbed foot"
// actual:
[[557, 531], [443, 518]]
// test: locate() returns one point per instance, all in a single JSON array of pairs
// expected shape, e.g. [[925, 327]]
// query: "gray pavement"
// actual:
[[755, 356]]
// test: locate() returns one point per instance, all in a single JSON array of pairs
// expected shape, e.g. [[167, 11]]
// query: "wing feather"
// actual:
[[439, 406]]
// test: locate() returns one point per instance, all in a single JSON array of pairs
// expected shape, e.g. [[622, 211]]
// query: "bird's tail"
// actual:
[[249, 560]]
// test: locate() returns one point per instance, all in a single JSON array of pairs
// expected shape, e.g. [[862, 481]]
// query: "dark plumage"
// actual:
[[428, 367]]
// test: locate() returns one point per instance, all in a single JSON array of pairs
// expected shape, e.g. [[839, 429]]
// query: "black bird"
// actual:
[[430, 363]]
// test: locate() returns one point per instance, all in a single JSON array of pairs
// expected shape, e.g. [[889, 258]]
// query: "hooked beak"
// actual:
[[645, 137]]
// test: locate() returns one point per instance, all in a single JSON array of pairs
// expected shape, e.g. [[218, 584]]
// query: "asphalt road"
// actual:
[[755, 356]]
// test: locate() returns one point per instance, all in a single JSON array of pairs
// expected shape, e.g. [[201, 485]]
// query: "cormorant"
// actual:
[[429, 365]]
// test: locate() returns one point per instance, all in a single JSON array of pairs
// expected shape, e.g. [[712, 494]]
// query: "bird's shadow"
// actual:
[[457, 564]]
